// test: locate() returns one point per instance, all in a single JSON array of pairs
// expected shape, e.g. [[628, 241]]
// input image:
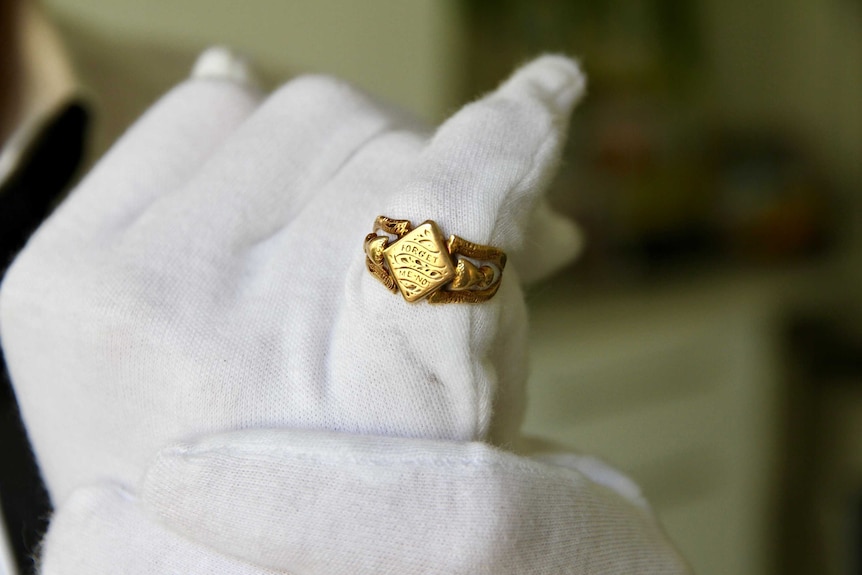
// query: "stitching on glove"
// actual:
[[281, 457]]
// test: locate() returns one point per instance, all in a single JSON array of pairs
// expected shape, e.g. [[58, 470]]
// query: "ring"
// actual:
[[420, 264]]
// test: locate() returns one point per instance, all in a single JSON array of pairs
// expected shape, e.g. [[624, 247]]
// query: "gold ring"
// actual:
[[420, 264]]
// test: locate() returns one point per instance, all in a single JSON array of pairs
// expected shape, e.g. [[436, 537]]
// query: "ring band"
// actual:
[[422, 265]]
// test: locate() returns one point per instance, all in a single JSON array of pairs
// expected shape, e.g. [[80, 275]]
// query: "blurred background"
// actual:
[[708, 341]]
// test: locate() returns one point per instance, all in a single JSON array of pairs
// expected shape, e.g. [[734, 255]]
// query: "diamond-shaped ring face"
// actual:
[[419, 262]]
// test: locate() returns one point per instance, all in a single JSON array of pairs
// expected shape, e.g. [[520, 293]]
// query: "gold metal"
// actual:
[[421, 265], [419, 262]]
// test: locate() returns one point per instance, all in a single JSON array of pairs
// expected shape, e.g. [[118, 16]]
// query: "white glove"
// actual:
[[322, 503], [209, 275]]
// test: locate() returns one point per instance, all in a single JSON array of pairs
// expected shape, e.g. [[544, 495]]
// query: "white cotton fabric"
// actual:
[[208, 276], [222, 63], [385, 505]]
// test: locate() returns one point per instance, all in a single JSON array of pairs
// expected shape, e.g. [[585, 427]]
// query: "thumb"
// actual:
[[323, 502]]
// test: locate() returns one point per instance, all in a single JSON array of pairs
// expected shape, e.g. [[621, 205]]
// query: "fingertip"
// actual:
[[222, 63], [555, 80]]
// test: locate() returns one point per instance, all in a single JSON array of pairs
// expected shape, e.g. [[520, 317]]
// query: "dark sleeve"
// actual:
[[27, 196]]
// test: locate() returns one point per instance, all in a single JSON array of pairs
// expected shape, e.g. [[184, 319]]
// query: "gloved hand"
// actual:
[[208, 276]]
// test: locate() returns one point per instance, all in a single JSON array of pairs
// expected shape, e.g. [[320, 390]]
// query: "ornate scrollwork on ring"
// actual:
[[421, 265]]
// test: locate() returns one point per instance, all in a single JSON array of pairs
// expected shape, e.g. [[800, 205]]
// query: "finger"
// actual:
[[318, 502], [484, 169], [478, 178], [162, 150], [276, 162], [551, 241], [221, 63]]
